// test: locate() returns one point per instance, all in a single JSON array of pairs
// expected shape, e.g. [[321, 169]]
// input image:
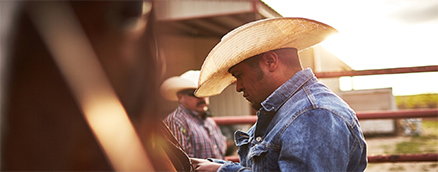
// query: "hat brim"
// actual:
[[170, 87], [252, 39]]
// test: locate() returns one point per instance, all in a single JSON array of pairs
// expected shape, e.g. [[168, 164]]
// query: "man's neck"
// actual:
[[202, 115]]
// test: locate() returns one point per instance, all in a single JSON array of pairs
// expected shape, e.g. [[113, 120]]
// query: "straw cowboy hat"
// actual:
[[255, 38], [172, 85]]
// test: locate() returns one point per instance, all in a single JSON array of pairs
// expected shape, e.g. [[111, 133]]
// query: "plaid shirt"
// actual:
[[200, 138]]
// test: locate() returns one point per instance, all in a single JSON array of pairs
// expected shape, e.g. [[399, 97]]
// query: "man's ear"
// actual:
[[179, 95], [270, 59]]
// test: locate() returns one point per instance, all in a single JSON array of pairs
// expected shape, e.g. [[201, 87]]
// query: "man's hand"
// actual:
[[204, 165]]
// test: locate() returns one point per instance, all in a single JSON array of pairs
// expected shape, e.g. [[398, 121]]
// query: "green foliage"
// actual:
[[431, 126], [420, 101], [424, 143]]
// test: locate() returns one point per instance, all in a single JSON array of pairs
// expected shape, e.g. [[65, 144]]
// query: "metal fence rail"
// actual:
[[433, 68], [417, 113], [428, 157]]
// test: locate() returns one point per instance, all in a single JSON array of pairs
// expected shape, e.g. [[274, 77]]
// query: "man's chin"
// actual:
[[256, 106]]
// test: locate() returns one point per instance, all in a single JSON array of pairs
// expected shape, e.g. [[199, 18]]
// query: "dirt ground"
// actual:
[[377, 146]]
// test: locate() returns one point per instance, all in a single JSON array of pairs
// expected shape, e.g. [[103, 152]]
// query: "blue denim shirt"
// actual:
[[302, 126]]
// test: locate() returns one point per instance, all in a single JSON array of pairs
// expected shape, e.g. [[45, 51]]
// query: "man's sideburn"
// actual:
[[254, 64]]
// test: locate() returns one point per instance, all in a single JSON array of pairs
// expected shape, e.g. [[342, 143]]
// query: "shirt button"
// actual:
[[259, 139]]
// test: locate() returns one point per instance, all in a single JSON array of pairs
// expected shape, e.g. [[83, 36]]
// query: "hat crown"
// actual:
[[171, 86], [192, 76]]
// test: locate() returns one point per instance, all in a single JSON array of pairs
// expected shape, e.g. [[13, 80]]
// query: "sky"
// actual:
[[376, 34]]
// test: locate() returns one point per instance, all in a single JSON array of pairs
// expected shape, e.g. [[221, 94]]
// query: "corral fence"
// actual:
[[397, 114]]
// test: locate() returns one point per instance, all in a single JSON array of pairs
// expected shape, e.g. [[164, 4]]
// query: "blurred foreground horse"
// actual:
[[79, 83]]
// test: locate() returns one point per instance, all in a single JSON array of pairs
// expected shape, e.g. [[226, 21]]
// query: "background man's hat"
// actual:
[[172, 85], [255, 38]]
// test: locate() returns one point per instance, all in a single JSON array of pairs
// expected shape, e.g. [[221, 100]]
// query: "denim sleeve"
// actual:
[[233, 167], [318, 140], [229, 166]]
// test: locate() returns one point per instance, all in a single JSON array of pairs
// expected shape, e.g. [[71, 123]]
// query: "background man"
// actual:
[[302, 125], [197, 133]]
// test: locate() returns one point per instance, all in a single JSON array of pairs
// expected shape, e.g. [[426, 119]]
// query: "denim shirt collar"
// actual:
[[285, 91]]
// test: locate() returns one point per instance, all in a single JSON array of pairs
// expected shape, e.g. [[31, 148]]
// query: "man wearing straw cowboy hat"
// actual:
[[197, 133], [301, 124]]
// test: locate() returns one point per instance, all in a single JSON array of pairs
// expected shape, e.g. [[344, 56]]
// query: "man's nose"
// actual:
[[239, 86]]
